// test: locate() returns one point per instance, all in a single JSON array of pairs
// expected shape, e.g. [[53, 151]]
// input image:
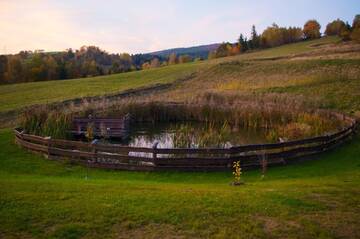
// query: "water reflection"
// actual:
[[165, 135]]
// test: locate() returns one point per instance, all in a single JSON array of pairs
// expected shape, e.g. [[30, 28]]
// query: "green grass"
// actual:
[[285, 50], [291, 49], [45, 199], [17, 96], [325, 83]]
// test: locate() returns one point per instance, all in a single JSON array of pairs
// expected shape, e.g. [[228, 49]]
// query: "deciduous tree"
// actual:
[[172, 59], [335, 27], [356, 22], [155, 63], [312, 29], [184, 59]]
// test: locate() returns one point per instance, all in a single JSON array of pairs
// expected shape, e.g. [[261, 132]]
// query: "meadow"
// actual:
[[17, 96], [318, 198]]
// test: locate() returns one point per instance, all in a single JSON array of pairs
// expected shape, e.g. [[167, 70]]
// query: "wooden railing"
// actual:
[[202, 159]]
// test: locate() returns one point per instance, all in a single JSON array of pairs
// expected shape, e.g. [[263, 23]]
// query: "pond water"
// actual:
[[190, 135]]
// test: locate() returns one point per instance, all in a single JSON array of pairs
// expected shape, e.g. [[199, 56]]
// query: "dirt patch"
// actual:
[[151, 231], [339, 224]]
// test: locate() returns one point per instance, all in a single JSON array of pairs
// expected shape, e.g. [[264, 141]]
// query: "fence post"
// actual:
[[94, 151], [231, 157], [154, 147], [282, 159], [48, 144]]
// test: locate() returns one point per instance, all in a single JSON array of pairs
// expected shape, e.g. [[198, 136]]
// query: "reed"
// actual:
[[209, 135], [279, 120], [44, 121]]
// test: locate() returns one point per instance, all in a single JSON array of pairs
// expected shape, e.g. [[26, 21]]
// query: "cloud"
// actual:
[[35, 25], [142, 25]]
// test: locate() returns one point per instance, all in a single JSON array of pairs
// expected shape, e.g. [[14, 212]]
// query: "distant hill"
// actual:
[[196, 51]]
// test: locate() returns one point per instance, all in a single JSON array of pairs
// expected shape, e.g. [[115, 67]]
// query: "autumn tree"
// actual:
[[335, 27], [276, 36], [3, 66], [15, 70], [51, 68], [223, 50], [212, 55], [155, 63], [345, 32], [146, 66], [235, 50], [356, 22], [355, 34], [293, 34], [272, 36], [172, 59], [312, 29], [184, 59]]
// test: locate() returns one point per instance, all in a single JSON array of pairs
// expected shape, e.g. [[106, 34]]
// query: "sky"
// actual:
[[141, 26]]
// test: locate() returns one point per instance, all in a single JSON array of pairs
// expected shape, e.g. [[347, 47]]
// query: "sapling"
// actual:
[[237, 174]]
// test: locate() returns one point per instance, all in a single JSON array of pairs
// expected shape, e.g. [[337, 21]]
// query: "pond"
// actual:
[[190, 135]]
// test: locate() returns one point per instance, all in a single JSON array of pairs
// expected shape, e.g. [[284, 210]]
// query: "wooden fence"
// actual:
[[202, 159]]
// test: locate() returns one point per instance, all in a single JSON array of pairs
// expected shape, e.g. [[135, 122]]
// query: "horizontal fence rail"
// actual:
[[202, 159]]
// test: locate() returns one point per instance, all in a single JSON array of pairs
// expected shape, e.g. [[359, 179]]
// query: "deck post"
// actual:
[[154, 147], [94, 151]]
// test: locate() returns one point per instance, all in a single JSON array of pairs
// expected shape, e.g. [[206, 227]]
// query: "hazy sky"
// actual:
[[140, 26]]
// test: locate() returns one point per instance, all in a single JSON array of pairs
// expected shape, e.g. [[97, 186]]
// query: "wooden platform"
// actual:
[[102, 127]]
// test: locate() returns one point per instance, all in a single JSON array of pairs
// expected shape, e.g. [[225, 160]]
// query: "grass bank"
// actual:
[[17, 96], [44, 199]]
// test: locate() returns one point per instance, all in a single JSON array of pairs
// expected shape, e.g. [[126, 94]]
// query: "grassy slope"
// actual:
[[25, 94], [19, 95], [43, 199]]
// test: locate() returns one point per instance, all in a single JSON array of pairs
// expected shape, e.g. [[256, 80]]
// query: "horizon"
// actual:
[[119, 27]]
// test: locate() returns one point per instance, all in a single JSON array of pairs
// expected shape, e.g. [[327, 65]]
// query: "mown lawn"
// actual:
[[46, 199]]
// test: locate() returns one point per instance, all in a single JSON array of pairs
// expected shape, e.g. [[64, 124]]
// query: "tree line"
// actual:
[[274, 36], [28, 66], [88, 61]]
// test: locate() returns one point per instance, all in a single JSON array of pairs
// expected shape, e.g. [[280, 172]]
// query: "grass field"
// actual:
[[314, 199], [16, 96], [290, 49], [44, 199], [320, 83]]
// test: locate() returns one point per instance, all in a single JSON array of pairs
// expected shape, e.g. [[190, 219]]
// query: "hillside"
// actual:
[[195, 52], [322, 52]]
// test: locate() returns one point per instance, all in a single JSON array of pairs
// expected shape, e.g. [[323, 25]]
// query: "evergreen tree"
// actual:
[[255, 38], [243, 43]]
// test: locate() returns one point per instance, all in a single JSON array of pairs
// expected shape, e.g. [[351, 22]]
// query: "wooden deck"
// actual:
[[102, 127]]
